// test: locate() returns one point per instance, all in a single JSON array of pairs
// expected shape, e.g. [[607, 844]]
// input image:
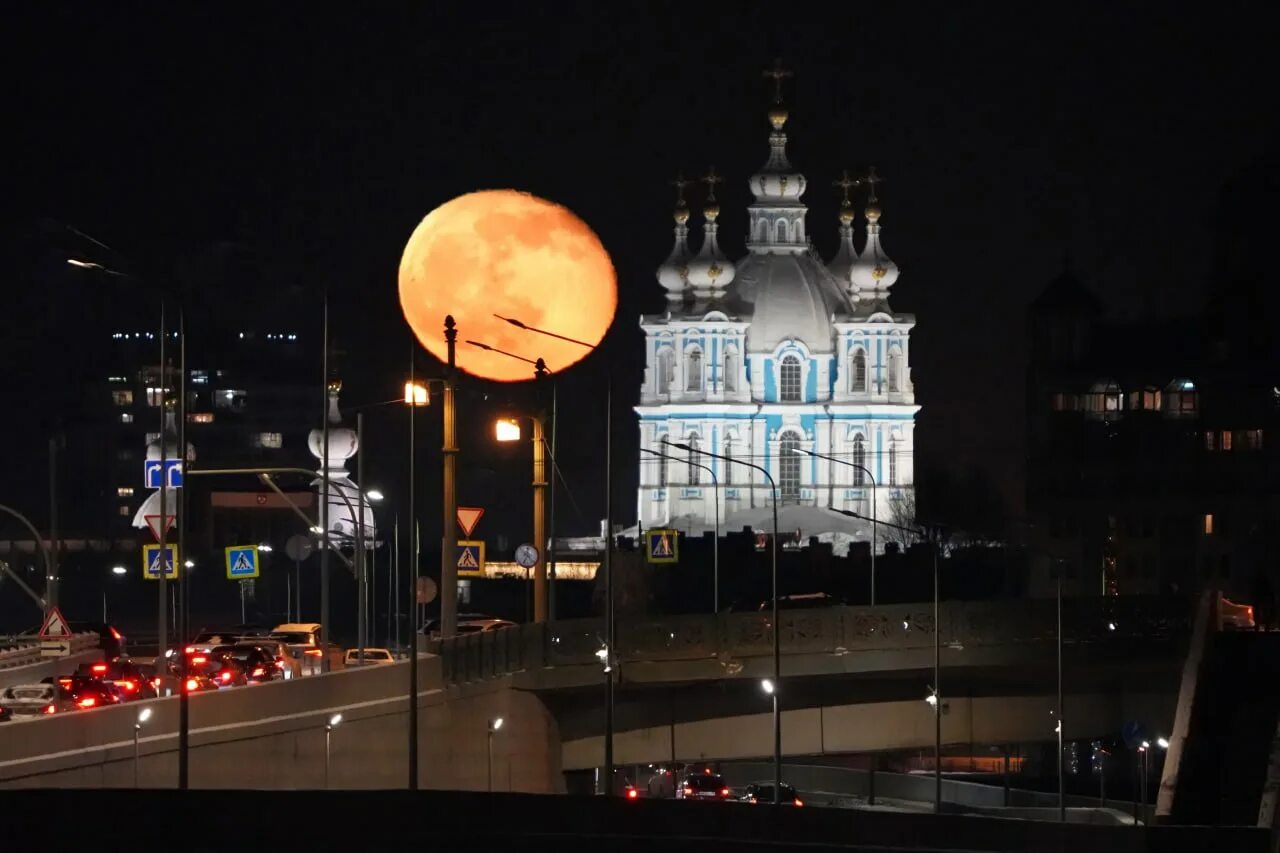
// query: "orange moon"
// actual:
[[510, 253]]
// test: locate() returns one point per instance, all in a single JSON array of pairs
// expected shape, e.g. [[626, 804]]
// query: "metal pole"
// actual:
[[137, 753], [539, 521], [162, 617], [715, 550], [288, 594], [104, 606], [777, 656], [51, 579], [874, 531], [393, 602], [551, 545], [411, 574], [44, 553], [490, 759], [608, 585], [324, 496], [937, 691], [362, 591], [1062, 802], [328, 736], [243, 615], [449, 453]]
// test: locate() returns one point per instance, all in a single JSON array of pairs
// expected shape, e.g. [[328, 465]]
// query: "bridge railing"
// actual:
[[25, 650], [832, 630]]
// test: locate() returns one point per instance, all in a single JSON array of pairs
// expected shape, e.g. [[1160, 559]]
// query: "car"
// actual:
[[297, 633], [89, 692], [258, 664], [1237, 616], [290, 665], [110, 640], [133, 682], [703, 786], [371, 656], [478, 626], [207, 640], [431, 627], [224, 668], [762, 792], [26, 701], [804, 601]]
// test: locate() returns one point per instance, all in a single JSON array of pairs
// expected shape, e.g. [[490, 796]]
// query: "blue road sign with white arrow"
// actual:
[[172, 473]]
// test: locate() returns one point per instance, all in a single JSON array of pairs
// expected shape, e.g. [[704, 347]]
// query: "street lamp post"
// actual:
[[334, 722], [874, 495], [449, 455], [143, 716], [777, 632], [45, 603], [507, 430], [494, 725], [715, 552]]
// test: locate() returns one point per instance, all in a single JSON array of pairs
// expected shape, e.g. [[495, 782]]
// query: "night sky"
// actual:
[[276, 151]]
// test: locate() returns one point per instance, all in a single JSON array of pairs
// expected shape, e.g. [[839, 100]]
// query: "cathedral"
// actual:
[[777, 359]]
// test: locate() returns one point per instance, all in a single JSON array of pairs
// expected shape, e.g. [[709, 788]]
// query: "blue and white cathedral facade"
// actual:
[[776, 352]]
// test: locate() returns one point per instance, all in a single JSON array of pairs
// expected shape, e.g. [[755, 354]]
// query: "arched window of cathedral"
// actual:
[[694, 461], [731, 369], [789, 466], [780, 231], [858, 371], [894, 370], [893, 462], [728, 461], [789, 385], [693, 369], [762, 233], [666, 370], [859, 459]]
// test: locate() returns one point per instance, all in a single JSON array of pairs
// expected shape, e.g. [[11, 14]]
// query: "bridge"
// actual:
[[853, 681]]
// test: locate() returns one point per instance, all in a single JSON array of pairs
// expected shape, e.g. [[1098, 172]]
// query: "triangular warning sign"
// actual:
[[54, 625], [662, 545], [468, 518], [153, 522], [158, 560], [243, 563], [467, 559]]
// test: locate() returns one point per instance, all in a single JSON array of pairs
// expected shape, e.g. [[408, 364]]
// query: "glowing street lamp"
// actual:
[[494, 725], [119, 570], [334, 722], [416, 394], [374, 495], [507, 429], [143, 716]]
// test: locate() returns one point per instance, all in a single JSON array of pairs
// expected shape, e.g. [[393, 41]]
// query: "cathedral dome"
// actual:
[[710, 272], [788, 296], [673, 274]]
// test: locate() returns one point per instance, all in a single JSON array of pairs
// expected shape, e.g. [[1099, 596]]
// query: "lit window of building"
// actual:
[[124, 492], [155, 395], [230, 399], [122, 398], [1064, 402], [789, 467], [268, 440], [1251, 439], [1146, 400], [117, 379], [789, 379], [199, 377], [1208, 524], [200, 417], [1224, 439], [126, 417], [124, 510], [1180, 398]]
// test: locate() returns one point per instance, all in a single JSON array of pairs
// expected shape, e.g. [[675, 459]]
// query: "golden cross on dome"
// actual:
[[711, 179], [847, 183], [777, 73], [680, 183], [871, 180]]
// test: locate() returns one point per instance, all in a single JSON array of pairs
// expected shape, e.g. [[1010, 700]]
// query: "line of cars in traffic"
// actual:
[[703, 785]]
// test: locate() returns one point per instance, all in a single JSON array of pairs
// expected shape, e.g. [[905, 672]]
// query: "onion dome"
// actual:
[[343, 443], [875, 272], [673, 274], [777, 180], [710, 272], [841, 266]]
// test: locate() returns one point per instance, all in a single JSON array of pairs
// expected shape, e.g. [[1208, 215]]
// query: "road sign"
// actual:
[[470, 558], [54, 626], [153, 522], [172, 470], [662, 545], [468, 518], [526, 556], [55, 648], [426, 590], [242, 562], [152, 562], [299, 547]]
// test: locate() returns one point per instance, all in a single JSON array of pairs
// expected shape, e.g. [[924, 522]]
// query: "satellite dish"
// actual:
[[299, 547]]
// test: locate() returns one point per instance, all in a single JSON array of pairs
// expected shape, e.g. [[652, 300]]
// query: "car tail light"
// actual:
[[190, 650], [688, 791], [64, 682], [50, 709], [99, 668], [116, 635], [279, 664], [192, 684], [706, 770], [87, 702], [128, 685], [155, 682], [225, 677], [198, 659], [258, 672], [798, 803], [632, 794], [724, 792]]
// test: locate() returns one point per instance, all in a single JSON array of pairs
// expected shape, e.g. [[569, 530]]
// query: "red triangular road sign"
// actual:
[[468, 518], [153, 522], [54, 625]]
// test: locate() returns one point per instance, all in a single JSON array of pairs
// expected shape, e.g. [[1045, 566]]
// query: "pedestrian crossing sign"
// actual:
[[662, 545], [470, 558], [242, 562], [153, 564]]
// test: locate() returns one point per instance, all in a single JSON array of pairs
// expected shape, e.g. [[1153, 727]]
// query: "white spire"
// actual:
[[673, 274], [777, 217], [875, 272], [710, 272], [344, 495]]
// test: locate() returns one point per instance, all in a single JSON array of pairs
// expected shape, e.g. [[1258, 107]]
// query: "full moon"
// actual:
[[509, 253]]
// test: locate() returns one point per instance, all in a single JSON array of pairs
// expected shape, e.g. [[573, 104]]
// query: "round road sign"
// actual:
[[526, 556]]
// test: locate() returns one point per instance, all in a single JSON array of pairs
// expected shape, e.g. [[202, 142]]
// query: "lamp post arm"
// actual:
[[44, 549]]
